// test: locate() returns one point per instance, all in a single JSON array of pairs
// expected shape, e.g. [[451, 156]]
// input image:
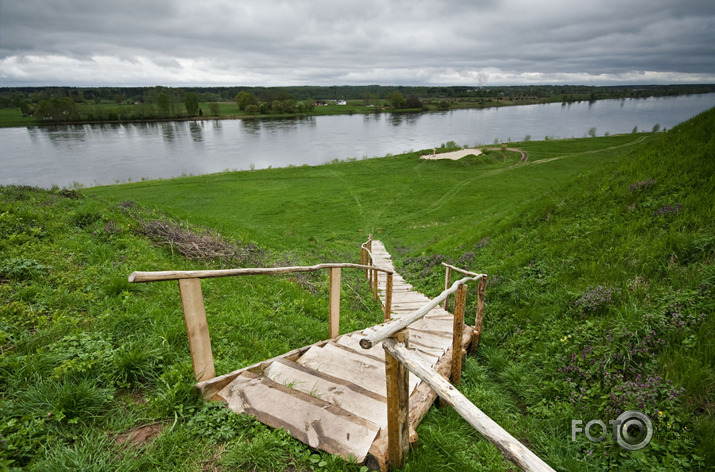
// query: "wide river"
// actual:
[[104, 154]]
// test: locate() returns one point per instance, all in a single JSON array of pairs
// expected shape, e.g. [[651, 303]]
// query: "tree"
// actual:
[[243, 99], [191, 100], [214, 109], [592, 132], [397, 100], [162, 103], [309, 104], [413, 101], [56, 109]]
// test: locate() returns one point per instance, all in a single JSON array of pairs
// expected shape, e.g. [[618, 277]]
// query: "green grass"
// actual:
[[13, 117], [599, 253]]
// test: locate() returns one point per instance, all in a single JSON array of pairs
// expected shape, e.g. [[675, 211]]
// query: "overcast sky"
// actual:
[[336, 42]]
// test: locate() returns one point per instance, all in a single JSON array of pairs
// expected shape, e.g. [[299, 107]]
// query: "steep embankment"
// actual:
[[600, 301]]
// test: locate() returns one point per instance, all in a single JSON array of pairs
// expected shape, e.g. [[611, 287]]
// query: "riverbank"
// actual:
[[229, 111], [68, 105]]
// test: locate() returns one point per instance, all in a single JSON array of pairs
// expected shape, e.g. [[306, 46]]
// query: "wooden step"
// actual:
[[353, 342], [361, 354], [364, 371], [365, 374], [311, 420], [347, 395]]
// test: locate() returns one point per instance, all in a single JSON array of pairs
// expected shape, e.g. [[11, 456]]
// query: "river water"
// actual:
[[104, 154]]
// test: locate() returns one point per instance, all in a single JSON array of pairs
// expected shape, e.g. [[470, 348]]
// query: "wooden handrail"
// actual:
[[195, 314], [159, 276], [461, 271], [505, 442], [390, 328]]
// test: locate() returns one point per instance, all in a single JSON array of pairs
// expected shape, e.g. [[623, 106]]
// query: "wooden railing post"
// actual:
[[398, 411], [457, 332], [447, 283], [388, 296], [369, 257], [197, 328], [374, 284], [481, 293], [334, 297]]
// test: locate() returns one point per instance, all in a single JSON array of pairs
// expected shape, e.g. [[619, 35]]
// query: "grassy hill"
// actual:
[[600, 294]]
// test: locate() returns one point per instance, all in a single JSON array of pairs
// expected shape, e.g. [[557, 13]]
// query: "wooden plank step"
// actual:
[[367, 375], [311, 420], [347, 395], [361, 354], [353, 342], [352, 367], [347, 351]]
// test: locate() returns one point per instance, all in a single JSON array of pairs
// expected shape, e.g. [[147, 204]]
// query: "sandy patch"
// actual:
[[454, 155]]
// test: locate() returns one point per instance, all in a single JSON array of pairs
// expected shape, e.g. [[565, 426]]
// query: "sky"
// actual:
[[355, 42]]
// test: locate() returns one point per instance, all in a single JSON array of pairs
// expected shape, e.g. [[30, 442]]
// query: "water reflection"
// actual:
[[197, 131], [251, 127]]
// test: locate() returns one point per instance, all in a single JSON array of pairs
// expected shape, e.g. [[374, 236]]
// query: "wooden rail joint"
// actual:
[[192, 302], [509, 446]]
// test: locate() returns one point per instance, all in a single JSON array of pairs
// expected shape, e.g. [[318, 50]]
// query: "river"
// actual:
[[99, 154]]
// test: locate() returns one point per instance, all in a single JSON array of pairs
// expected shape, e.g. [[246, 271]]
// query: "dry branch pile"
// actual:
[[199, 245]]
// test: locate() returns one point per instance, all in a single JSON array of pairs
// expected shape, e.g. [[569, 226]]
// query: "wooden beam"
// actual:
[[197, 328], [457, 330], [159, 276], [461, 271], [447, 280], [388, 297], [481, 294], [398, 394], [398, 324], [505, 442], [209, 388], [420, 402], [374, 285], [334, 297]]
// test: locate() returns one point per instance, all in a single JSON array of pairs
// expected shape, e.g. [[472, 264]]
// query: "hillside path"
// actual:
[[332, 395]]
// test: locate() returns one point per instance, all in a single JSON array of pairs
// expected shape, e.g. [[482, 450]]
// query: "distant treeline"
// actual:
[[71, 104]]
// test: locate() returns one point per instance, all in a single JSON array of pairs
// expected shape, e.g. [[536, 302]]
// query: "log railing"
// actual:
[[399, 361], [397, 353], [192, 302], [366, 258], [481, 292]]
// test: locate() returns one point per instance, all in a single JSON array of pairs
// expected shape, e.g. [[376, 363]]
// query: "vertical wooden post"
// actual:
[[334, 297], [398, 408], [197, 328], [362, 258], [374, 284], [447, 282], [457, 332], [481, 293], [369, 257], [388, 297]]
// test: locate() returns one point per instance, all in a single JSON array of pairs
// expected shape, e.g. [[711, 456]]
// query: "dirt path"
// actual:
[[456, 155]]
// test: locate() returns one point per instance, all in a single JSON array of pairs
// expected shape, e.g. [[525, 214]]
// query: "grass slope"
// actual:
[[600, 258]]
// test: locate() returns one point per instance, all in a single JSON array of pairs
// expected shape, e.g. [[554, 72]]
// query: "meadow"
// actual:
[[599, 253]]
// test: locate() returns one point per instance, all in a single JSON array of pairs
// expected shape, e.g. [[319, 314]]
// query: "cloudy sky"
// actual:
[[335, 42]]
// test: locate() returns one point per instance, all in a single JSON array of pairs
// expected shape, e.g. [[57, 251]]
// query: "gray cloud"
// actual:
[[275, 42]]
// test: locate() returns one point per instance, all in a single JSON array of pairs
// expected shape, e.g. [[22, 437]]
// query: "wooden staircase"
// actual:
[[332, 396]]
